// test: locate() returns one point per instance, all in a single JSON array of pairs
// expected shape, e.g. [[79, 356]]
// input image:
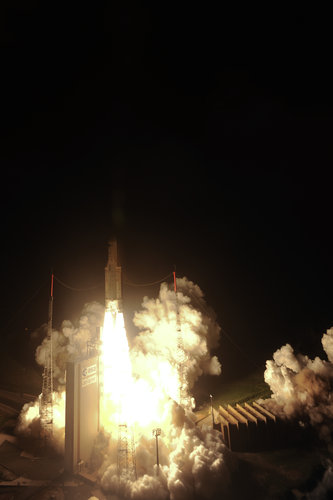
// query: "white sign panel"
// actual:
[[89, 375]]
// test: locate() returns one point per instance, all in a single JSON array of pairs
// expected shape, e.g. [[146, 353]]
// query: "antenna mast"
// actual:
[[46, 397]]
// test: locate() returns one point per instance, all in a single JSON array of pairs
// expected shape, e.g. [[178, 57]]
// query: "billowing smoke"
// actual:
[[302, 387], [155, 346], [29, 425], [68, 343], [194, 463]]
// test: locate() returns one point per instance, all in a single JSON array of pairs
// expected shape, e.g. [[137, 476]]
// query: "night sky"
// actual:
[[198, 137]]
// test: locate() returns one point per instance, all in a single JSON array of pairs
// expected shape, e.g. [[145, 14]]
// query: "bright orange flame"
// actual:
[[116, 370], [125, 399]]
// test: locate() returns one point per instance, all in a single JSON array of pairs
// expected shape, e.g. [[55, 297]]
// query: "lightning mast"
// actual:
[[183, 399], [46, 397]]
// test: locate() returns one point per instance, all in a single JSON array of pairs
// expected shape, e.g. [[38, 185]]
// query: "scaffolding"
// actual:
[[126, 461], [157, 432], [46, 397], [183, 398]]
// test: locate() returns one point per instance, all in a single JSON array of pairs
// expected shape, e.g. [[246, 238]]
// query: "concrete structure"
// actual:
[[242, 425], [253, 440], [82, 412], [250, 427]]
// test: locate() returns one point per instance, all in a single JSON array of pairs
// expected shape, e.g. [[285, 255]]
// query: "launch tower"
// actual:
[[183, 398], [126, 460], [46, 397]]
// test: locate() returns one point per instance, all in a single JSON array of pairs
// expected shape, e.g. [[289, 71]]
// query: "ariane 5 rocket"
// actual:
[[113, 284]]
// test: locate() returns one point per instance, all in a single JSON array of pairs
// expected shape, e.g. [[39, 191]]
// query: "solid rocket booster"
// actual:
[[113, 286]]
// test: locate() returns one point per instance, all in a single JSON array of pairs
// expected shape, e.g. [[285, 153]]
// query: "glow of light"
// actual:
[[116, 370], [125, 399]]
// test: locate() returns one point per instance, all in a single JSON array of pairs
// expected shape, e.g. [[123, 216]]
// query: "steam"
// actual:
[[194, 463], [302, 387], [29, 424], [68, 343], [155, 346]]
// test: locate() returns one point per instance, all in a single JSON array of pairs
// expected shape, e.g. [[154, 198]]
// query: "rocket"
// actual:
[[113, 285]]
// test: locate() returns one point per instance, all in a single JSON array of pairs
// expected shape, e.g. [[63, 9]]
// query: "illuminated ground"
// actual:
[[268, 475]]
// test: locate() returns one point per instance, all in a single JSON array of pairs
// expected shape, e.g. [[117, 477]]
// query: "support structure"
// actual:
[[156, 433], [126, 461], [183, 398], [212, 409], [46, 397]]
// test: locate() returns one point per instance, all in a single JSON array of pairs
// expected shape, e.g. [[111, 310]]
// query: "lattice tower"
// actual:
[[46, 397], [183, 398], [126, 460]]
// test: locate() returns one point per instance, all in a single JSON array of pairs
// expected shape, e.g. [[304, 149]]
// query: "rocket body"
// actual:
[[113, 284]]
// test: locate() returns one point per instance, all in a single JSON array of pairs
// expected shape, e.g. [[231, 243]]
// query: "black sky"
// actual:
[[202, 138]]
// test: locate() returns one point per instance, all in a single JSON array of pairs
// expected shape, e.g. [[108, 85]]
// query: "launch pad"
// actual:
[[83, 387]]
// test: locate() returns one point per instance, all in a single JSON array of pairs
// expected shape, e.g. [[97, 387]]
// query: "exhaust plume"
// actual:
[[194, 463], [154, 354]]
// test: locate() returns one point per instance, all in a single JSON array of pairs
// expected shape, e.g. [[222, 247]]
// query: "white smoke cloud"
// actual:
[[200, 464], [327, 342], [194, 463], [154, 349], [70, 341], [302, 387], [29, 424]]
